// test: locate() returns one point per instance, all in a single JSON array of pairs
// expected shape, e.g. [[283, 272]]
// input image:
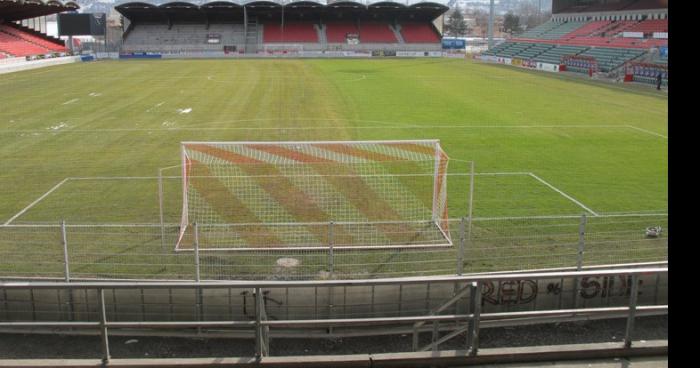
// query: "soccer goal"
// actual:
[[311, 195]]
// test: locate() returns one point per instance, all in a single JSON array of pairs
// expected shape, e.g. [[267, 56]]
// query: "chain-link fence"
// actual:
[[147, 251]]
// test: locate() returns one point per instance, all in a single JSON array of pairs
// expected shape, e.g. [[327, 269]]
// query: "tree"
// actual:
[[456, 25], [511, 23], [481, 20]]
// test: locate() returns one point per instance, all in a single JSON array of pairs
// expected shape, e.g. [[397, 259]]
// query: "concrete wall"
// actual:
[[20, 65]]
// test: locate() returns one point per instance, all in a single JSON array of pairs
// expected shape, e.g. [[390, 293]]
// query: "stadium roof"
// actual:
[[150, 10], [12, 10]]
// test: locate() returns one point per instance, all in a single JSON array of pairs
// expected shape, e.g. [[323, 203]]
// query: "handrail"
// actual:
[[324, 283], [261, 324]]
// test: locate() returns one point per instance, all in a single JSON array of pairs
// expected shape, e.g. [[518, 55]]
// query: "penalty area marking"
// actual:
[[24, 210], [572, 199], [20, 213], [646, 131]]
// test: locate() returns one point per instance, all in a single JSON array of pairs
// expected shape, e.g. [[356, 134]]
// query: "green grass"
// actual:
[[593, 141]]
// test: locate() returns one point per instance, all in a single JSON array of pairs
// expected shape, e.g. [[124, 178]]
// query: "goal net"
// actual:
[[306, 195]]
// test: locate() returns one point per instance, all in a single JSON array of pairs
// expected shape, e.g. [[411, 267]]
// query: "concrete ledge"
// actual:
[[419, 359]]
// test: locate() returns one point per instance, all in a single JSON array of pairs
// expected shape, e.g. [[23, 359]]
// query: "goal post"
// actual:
[[283, 195]]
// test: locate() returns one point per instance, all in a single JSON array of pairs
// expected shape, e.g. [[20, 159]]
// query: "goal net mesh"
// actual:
[[265, 195]]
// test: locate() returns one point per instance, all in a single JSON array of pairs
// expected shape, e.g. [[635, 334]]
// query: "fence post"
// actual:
[[160, 207], [103, 326], [634, 291], [196, 253], [260, 344], [475, 311], [64, 240], [330, 249], [460, 252], [330, 272], [197, 276], [579, 256]]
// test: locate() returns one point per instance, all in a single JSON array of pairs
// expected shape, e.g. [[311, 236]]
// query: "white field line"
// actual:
[[647, 131], [389, 126], [572, 199], [20, 213], [71, 101]]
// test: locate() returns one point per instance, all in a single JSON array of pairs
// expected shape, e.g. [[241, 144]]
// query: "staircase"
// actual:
[[252, 36], [321, 30], [397, 32]]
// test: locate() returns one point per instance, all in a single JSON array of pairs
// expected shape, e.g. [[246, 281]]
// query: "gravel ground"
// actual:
[[16, 346]]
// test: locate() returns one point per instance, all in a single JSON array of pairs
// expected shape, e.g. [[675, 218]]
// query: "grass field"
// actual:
[[567, 146]]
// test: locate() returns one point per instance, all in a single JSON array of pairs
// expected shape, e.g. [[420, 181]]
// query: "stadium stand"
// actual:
[[181, 37], [19, 41], [16, 46], [279, 26]]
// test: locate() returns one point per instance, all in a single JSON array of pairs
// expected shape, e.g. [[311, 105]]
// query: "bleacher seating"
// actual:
[[16, 42], [376, 32], [649, 26], [28, 37], [612, 58], [181, 37], [18, 47], [588, 29], [553, 55], [608, 58], [273, 32], [539, 30], [336, 32], [419, 33]]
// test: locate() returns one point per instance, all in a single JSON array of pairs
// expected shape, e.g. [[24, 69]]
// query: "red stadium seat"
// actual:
[[376, 32], [336, 32], [292, 32], [419, 33]]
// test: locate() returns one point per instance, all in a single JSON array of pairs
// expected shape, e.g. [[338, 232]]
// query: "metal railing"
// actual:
[[470, 290], [147, 251]]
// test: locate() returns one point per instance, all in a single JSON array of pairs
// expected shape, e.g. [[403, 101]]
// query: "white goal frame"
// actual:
[[439, 215]]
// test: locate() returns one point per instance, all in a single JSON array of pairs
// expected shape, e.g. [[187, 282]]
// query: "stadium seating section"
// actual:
[[274, 32], [419, 33], [377, 32], [16, 41], [336, 32], [608, 58]]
